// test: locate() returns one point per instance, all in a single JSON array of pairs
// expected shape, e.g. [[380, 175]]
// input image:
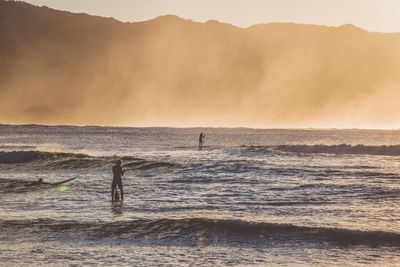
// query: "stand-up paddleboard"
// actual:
[[116, 198], [62, 182]]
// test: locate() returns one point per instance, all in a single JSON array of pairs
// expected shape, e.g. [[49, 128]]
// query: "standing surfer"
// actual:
[[118, 172], [201, 140]]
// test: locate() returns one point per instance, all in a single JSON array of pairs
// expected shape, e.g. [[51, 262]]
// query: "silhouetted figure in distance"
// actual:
[[118, 172], [201, 138], [39, 182]]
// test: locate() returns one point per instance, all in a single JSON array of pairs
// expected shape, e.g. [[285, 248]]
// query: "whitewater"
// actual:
[[259, 197]]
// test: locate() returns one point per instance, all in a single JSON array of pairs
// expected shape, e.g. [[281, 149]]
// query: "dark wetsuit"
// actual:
[[201, 137], [118, 172]]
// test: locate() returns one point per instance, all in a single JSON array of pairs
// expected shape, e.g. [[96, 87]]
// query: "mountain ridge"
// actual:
[[67, 68]]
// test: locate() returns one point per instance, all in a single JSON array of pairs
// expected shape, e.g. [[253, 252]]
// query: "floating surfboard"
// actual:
[[62, 182]]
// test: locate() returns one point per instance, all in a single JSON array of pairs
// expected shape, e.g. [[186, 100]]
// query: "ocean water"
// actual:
[[249, 197]]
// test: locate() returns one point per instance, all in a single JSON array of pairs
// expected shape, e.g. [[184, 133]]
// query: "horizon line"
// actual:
[[201, 127]]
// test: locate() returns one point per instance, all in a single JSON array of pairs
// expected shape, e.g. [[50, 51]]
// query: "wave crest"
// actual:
[[12, 157], [210, 228], [61, 160], [393, 150]]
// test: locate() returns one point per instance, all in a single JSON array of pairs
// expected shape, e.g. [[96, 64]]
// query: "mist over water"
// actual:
[[250, 197], [77, 69]]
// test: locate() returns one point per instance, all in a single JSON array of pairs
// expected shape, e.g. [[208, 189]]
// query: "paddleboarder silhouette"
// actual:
[[118, 172], [201, 138]]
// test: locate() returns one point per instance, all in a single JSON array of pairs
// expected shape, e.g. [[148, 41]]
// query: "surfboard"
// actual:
[[62, 182]]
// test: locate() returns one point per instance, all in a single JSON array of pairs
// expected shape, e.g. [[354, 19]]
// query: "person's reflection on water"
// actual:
[[117, 208]]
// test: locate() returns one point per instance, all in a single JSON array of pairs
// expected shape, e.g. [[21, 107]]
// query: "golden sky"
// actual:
[[372, 15]]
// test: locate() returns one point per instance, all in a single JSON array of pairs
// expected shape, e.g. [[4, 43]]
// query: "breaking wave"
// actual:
[[393, 150], [62, 160], [208, 229], [12, 157]]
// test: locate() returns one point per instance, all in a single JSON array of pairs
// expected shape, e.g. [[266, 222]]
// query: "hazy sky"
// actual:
[[185, 74], [373, 15]]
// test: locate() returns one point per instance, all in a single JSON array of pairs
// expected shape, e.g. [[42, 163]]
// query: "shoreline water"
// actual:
[[250, 197]]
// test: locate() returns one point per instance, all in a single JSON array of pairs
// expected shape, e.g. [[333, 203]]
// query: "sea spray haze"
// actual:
[[63, 68], [250, 197]]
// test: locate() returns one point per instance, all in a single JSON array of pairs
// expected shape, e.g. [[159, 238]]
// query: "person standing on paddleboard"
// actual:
[[118, 172], [201, 138]]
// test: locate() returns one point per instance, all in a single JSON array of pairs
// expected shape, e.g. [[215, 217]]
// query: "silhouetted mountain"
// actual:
[[63, 68]]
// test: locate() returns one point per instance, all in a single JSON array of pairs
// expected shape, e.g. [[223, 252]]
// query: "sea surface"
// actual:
[[250, 197]]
